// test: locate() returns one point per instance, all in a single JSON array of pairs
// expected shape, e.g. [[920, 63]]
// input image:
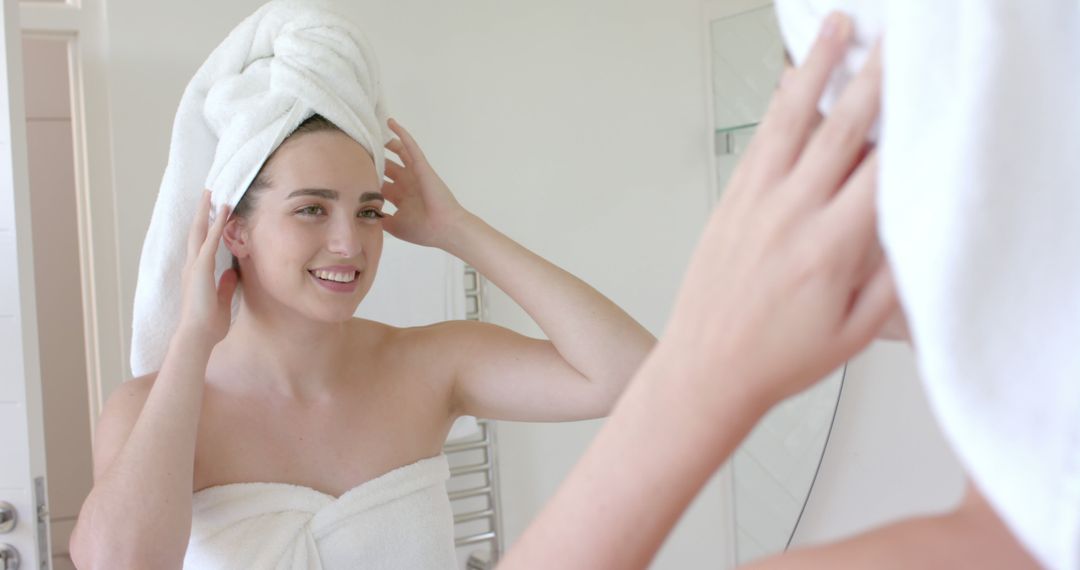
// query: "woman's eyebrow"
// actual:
[[333, 194], [319, 192]]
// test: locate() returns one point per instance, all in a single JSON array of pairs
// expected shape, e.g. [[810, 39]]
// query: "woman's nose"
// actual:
[[345, 238]]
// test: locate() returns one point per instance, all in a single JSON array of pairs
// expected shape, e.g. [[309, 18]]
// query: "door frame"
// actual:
[[83, 24], [22, 426]]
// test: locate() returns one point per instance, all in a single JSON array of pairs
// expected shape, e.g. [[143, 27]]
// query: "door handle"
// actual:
[[9, 517], [9, 557]]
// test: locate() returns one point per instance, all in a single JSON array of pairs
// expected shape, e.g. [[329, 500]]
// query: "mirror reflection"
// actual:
[[533, 121]]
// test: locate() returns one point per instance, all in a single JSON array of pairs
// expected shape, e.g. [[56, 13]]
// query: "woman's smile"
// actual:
[[337, 278]]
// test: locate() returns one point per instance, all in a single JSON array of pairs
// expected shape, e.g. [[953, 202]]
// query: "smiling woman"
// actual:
[[316, 197], [293, 400]]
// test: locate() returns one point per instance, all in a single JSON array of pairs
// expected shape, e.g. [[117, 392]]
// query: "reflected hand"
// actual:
[[206, 309], [788, 280], [426, 209]]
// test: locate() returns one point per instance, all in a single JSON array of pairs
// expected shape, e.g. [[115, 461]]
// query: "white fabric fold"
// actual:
[[287, 61], [979, 211], [401, 520]]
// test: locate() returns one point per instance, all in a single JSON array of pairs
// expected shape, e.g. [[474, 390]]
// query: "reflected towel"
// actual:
[[979, 210], [398, 521], [287, 61]]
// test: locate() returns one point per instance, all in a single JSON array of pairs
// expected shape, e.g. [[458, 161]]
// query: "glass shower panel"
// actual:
[[775, 468]]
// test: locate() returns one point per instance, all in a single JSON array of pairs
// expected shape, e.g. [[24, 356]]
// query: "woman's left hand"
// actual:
[[427, 211]]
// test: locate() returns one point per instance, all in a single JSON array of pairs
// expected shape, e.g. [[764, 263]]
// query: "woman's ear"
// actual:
[[236, 237]]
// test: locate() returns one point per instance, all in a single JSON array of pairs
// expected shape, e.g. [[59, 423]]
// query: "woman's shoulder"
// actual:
[[370, 328], [434, 336]]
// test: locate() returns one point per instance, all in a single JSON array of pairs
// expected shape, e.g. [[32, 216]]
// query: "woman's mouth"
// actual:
[[338, 281]]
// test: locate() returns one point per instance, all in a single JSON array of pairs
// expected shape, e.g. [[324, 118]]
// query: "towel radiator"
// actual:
[[474, 475]]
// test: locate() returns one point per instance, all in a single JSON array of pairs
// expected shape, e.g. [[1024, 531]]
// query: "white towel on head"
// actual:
[[979, 210], [287, 61]]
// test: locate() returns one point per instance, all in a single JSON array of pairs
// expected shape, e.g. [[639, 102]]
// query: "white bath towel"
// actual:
[[398, 521], [979, 209], [287, 61]]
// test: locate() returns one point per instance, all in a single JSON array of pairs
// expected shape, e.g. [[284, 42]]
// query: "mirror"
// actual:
[[577, 128], [773, 471]]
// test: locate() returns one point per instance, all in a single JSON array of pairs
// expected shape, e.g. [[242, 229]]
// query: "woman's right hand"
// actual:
[[207, 308], [789, 280]]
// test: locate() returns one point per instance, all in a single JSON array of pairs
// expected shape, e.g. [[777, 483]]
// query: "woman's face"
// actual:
[[313, 240]]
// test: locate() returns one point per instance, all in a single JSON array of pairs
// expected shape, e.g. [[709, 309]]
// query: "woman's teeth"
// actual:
[[332, 276]]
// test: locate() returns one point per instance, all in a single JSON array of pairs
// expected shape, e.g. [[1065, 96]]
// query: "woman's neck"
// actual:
[[295, 356]]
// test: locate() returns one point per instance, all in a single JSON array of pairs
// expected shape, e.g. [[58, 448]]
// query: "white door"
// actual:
[[23, 518]]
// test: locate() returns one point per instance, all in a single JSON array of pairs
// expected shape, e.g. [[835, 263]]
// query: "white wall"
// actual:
[[578, 128], [886, 457]]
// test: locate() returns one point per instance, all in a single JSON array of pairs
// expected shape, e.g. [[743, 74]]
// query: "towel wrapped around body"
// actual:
[[398, 521]]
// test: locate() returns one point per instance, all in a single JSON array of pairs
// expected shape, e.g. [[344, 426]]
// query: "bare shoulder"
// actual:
[[454, 332], [117, 419], [439, 350], [443, 335]]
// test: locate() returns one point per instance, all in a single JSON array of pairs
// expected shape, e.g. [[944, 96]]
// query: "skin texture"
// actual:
[[296, 390], [787, 282]]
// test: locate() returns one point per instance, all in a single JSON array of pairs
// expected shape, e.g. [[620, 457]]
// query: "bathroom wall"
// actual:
[[886, 457], [578, 128]]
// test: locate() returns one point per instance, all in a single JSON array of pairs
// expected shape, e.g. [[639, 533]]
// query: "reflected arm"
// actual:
[[594, 346]]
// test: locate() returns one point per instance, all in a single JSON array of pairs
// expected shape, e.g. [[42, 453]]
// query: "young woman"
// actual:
[[298, 393]]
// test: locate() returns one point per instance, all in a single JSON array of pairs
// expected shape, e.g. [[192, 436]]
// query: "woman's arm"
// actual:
[[138, 514], [972, 536], [786, 283], [593, 347]]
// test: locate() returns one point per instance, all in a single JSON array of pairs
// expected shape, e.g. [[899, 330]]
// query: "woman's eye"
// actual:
[[310, 210], [371, 214]]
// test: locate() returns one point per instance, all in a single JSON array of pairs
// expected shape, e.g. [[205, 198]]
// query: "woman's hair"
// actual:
[[313, 124]]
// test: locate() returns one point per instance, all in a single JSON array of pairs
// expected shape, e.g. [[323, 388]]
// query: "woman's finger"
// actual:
[[395, 146], [874, 303], [392, 192], [394, 170], [389, 223], [213, 237], [411, 146], [793, 111], [837, 145], [197, 232], [853, 212]]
